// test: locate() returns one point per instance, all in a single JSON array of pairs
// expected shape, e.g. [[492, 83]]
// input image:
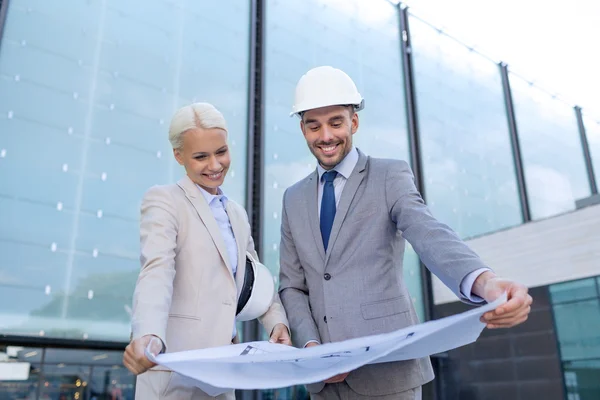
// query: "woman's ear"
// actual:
[[178, 156]]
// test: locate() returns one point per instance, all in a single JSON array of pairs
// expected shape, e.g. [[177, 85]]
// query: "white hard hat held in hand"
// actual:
[[257, 291], [325, 86]]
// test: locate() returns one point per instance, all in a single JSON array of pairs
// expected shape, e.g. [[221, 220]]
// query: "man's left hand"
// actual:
[[280, 335], [514, 312]]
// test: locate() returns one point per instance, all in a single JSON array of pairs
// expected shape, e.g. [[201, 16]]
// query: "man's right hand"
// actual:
[[334, 379], [135, 359]]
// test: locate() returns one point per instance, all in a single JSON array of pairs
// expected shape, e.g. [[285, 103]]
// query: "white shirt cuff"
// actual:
[[312, 341], [466, 286]]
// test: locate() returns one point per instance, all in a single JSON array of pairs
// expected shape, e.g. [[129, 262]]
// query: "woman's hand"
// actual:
[[281, 335], [135, 359]]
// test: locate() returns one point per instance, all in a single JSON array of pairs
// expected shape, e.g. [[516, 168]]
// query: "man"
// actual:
[[343, 236]]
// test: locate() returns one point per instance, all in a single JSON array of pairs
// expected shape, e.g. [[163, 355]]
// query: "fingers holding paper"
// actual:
[[280, 335], [334, 379], [515, 311], [135, 358]]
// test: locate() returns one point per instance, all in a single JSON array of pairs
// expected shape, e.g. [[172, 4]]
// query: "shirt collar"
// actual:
[[211, 197], [345, 167]]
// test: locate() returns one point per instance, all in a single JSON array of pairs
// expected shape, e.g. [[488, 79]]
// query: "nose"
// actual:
[[326, 134], [214, 164]]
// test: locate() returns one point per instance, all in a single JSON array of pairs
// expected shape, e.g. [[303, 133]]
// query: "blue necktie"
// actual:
[[327, 206]]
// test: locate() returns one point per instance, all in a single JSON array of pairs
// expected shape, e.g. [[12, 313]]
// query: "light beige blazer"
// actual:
[[186, 293]]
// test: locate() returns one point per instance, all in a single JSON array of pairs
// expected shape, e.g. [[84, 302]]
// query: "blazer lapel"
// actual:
[[311, 202], [202, 208], [352, 184]]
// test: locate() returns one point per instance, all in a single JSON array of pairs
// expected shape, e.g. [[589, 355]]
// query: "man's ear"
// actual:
[[355, 122], [302, 126]]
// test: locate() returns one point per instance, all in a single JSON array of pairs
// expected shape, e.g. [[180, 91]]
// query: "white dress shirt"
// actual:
[[344, 169], [217, 204]]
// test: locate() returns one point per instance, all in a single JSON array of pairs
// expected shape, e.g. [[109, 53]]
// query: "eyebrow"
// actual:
[[332, 119], [203, 153]]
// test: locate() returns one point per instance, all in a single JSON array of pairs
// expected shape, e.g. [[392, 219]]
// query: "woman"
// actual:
[[193, 243]]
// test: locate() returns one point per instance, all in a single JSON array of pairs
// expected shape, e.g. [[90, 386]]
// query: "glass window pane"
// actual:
[[553, 159], [470, 180], [114, 382], [85, 103], [20, 372], [64, 381], [412, 278], [582, 379], [91, 373], [577, 326], [569, 291], [592, 130], [363, 40]]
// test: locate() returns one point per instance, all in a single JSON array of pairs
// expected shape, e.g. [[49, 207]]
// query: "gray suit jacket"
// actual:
[[356, 288]]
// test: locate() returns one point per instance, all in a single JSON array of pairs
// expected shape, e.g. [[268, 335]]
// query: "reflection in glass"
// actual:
[[66, 374], [470, 180], [86, 97], [572, 291], [412, 274], [582, 379], [577, 327], [63, 381], [20, 372], [555, 171]]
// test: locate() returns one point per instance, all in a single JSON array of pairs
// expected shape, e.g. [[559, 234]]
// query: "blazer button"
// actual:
[[327, 276]]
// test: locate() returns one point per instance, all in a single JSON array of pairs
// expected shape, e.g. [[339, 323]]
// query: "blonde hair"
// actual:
[[196, 115]]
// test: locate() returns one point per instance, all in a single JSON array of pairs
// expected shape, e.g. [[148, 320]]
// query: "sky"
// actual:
[[551, 43]]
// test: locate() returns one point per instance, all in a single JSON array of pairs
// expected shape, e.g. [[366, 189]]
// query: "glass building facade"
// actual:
[[576, 308], [86, 95]]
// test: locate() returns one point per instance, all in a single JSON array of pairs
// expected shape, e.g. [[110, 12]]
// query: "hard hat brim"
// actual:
[[300, 110]]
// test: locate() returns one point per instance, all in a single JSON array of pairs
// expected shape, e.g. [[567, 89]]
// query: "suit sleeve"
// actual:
[[438, 246], [276, 313], [293, 289], [154, 287]]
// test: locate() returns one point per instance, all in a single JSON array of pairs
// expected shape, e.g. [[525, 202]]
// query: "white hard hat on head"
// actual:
[[325, 86]]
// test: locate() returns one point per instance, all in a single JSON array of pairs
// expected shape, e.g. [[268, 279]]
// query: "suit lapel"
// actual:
[[352, 184], [312, 200], [202, 208]]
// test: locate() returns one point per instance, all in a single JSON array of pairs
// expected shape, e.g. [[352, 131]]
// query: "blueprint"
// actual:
[[264, 365]]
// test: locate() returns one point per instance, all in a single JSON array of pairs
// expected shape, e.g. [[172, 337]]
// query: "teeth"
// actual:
[[214, 176], [330, 148]]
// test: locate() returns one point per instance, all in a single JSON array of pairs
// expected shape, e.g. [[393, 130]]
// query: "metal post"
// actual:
[[254, 164], [255, 140], [514, 140], [3, 12], [41, 375], [586, 151]]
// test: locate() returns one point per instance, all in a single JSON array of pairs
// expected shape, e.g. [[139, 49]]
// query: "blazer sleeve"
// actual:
[[154, 287], [276, 313], [293, 289], [438, 246]]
